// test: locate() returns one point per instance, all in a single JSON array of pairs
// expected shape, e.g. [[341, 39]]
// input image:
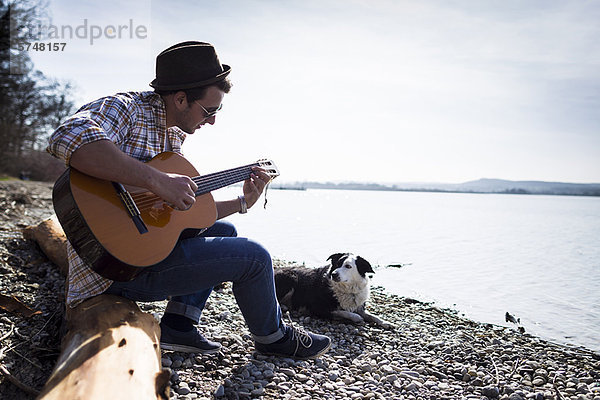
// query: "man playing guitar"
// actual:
[[114, 139]]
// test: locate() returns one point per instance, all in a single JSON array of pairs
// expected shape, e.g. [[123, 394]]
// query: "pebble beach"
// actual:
[[431, 353]]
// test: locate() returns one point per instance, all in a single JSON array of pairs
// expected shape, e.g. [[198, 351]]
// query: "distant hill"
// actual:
[[478, 186], [531, 187]]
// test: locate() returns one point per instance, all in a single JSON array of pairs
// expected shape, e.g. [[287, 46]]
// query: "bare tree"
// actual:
[[31, 104]]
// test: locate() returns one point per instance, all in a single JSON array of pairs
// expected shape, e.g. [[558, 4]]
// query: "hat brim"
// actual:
[[220, 77]]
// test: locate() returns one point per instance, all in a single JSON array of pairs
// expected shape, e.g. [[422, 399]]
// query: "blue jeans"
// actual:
[[197, 264]]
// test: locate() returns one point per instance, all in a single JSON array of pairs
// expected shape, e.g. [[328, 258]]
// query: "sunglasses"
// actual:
[[208, 114]]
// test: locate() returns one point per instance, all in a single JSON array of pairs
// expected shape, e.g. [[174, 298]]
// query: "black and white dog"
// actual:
[[337, 290]]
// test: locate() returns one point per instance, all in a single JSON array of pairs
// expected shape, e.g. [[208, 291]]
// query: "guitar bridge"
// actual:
[[131, 207]]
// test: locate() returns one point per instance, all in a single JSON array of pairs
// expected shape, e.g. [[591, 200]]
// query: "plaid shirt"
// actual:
[[136, 123]]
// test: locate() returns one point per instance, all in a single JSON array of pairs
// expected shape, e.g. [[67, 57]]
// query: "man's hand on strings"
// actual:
[[177, 190]]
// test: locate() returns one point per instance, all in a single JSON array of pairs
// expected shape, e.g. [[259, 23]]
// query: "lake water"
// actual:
[[537, 257]]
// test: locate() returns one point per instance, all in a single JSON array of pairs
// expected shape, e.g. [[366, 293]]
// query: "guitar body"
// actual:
[[102, 232]]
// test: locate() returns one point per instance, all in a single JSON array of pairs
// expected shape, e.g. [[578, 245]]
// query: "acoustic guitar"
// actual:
[[119, 230]]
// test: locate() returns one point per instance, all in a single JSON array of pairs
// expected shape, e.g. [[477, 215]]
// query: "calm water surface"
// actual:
[[537, 257]]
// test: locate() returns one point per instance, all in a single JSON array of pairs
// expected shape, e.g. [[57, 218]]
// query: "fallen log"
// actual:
[[51, 238], [110, 349]]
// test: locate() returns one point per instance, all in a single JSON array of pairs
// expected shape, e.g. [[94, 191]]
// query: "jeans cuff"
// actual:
[[272, 338], [186, 310]]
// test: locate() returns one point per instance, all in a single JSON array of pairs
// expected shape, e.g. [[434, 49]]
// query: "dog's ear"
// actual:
[[363, 266], [335, 258]]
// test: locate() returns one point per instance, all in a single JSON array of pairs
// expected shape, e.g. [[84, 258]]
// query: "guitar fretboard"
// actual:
[[218, 180]]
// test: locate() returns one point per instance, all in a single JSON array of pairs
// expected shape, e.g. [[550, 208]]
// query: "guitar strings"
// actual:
[[146, 200], [212, 182], [215, 182], [245, 168]]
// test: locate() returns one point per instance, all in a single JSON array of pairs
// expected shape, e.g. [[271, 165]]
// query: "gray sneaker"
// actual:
[[296, 343], [187, 342]]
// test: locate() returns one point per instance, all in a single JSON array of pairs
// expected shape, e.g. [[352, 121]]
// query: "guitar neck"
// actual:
[[218, 180]]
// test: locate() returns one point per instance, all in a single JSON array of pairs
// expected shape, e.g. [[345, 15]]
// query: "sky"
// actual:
[[367, 90]]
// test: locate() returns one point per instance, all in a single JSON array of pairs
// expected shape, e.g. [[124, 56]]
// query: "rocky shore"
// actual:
[[431, 354]]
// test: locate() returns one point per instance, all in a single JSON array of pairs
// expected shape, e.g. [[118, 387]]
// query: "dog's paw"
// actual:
[[387, 325], [348, 315], [354, 318]]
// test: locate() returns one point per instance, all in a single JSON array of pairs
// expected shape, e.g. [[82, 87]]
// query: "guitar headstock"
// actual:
[[269, 167]]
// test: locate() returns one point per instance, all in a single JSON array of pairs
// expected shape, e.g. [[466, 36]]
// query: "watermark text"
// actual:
[[90, 32]]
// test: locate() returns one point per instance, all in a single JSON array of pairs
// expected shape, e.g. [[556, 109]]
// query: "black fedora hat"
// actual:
[[188, 65]]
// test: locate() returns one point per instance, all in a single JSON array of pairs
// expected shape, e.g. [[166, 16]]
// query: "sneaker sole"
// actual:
[[187, 349], [319, 354]]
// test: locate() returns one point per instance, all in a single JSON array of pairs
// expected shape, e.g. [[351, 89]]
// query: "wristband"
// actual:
[[243, 205]]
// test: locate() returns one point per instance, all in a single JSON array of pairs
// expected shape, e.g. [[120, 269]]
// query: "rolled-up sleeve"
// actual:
[[104, 119]]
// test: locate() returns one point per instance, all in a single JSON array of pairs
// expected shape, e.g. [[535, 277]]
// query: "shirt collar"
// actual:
[[158, 104]]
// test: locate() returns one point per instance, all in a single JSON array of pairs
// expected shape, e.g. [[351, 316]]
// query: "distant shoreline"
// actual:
[[481, 186]]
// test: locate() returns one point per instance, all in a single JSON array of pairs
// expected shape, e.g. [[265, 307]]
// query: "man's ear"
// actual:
[[180, 100]]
